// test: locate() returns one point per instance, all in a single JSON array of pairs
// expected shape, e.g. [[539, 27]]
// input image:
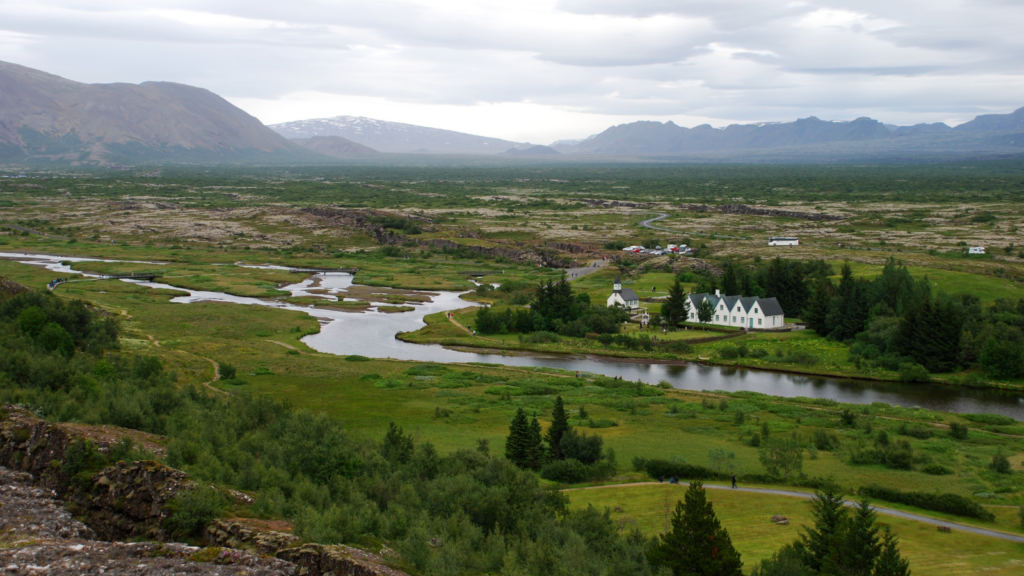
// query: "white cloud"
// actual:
[[540, 70]]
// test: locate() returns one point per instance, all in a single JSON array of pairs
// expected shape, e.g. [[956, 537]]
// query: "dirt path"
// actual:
[[288, 346], [809, 495], [451, 318], [216, 376], [576, 273], [649, 223]]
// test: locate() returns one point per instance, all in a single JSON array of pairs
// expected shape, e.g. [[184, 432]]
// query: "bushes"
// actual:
[[916, 431], [939, 502], [958, 431], [825, 440], [657, 468], [937, 470], [191, 510], [913, 372], [991, 419]]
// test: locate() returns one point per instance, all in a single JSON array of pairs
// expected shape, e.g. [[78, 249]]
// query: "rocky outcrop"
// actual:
[[317, 560], [118, 502], [751, 211], [10, 288], [234, 534], [569, 247]]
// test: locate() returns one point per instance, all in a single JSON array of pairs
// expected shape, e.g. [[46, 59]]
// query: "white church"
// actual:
[[739, 311], [625, 298]]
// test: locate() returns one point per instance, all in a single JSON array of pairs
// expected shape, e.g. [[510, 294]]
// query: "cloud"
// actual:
[[542, 70]]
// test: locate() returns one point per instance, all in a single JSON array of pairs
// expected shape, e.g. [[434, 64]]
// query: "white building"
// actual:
[[625, 298], [783, 241], [740, 312]]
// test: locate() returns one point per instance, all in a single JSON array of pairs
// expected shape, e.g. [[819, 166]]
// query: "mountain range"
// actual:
[[393, 137], [49, 119], [46, 118]]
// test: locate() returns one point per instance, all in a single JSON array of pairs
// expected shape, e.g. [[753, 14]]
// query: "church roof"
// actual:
[[628, 294]]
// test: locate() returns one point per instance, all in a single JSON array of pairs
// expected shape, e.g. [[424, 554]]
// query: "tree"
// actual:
[[816, 312], [586, 448], [559, 426], [398, 447], [780, 457], [829, 513], [730, 283], [705, 311], [1000, 463], [890, 562], [517, 442], [534, 446], [697, 545], [676, 307], [857, 546]]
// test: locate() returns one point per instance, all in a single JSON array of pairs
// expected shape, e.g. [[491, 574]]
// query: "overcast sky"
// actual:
[[541, 70]]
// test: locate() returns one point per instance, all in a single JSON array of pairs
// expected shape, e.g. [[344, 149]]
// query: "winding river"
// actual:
[[372, 333]]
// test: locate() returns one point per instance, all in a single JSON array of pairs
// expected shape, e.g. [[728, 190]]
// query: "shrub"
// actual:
[[191, 510], [958, 430], [1000, 463], [913, 372], [916, 431], [729, 352], [755, 440], [825, 440], [937, 470], [227, 371], [657, 468], [937, 501], [356, 358], [757, 353], [568, 471], [540, 338]]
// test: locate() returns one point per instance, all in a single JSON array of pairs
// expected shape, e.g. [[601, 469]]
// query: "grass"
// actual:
[[747, 518]]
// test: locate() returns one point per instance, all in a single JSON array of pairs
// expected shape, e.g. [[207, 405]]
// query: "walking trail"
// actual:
[[878, 509]]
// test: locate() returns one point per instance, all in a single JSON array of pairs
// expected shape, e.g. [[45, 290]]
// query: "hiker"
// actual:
[[734, 481]]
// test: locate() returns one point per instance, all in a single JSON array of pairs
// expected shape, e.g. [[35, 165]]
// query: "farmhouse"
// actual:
[[739, 311], [625, 298]]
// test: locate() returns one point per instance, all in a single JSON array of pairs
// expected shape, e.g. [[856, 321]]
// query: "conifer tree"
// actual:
[[818, 305], [829, 514], [730, 284], [559, 426], [856, 548], [516, 444], [890, 561], [697, 545], [534, 446], [676, 307]]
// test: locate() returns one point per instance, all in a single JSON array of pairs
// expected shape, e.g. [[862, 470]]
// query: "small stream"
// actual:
[[372, 333]]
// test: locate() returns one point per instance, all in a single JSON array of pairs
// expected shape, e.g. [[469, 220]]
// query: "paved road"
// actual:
[[879, 509], [574, 273], [649, 224]]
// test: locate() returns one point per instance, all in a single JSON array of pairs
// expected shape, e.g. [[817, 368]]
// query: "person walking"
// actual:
[[734, 481]]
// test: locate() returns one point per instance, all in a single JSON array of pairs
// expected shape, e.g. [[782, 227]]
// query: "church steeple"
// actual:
[[617, 286]]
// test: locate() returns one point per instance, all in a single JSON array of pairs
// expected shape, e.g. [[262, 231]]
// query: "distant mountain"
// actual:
[[335, 146], [538, 150], [393, 136], [995, 122], [46, 118], [808, 139]]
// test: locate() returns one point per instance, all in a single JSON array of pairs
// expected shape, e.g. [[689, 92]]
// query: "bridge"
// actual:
[[147, 276], [312, 270]]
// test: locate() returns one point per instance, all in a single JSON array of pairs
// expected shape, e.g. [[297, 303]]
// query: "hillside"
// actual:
[[335, 146], [393, 137], [49, 119]]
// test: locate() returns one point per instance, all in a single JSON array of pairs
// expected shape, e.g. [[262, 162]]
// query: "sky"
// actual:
[[544, 70]]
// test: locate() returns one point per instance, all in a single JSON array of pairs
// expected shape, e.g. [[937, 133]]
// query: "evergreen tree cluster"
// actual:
[[839, 543], [555, 308], [570, 455]]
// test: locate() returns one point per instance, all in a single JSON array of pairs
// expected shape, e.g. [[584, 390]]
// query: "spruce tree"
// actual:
[[856, 548], [730, 284], [676, 307], [818, 305], [890, 561], [534, 446], [559, 426], [697, 545], [516, 444], [829, 514]]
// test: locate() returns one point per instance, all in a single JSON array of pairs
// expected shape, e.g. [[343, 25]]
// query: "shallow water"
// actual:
[[372, 333]]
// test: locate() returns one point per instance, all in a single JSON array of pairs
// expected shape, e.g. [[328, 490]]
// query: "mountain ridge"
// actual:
[[393, 137], [47, 118]]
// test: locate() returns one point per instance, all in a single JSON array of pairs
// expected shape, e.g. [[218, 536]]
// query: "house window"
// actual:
[[691, 315], [755, 310], [733, 318], [758, 321], [742, 320], [716, 317]]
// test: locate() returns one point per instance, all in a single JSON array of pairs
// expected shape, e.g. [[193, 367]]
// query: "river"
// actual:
[[372, 333]]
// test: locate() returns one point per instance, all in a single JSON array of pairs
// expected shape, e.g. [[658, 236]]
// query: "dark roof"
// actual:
[[770, 307], [730, 302], [628, 294], [748, 303]]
